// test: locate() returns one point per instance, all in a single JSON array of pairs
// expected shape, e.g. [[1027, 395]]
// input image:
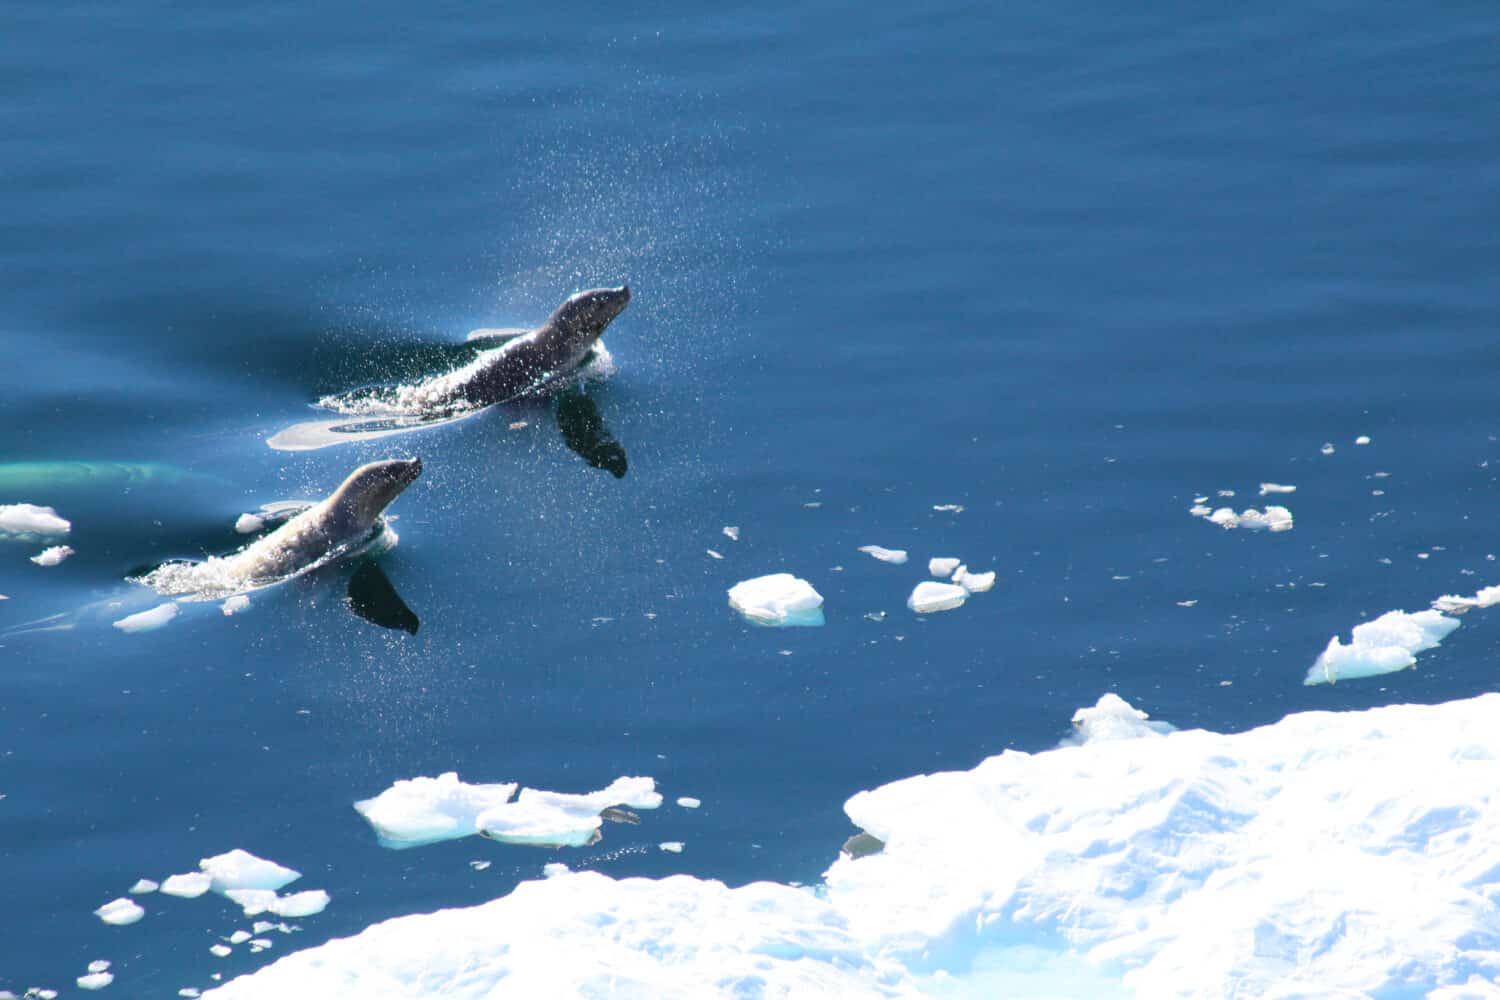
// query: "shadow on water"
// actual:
[[585, 433], [372, 596]]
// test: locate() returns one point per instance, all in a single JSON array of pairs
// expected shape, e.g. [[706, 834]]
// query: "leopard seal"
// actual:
[[345, 523], [526, 362]]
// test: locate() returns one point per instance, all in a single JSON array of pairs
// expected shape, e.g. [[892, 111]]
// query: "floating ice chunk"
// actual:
[[220, 950], [249, 524], [145, 621], [1266, 488], [1273, 519], [943, 566], [189, 992], [687, 802], [1383, 646], [144, 885], [714, 555], [479, 866], [234, 605], [25, 519], [95, 980], [298, 904], [555, 869], [1362, 439], [1327, 448], [1112, 718], [558, 819], [897, 556], [240, 937], [1453, 604], [929, 596], [99, 965], [120, 912], [779, 599], [419, 811], [238, 869], [53, 556], [671, 846], [189, 886], [732, 532], [949, 508], [974, 583]]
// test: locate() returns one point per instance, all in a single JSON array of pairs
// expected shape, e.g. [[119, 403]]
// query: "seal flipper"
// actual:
[[585, 433], [372, 597]]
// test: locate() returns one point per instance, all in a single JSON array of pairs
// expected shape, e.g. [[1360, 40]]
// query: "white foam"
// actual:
[[421, 810], [189, 886], [943, 566], [929, 597], [974, 583], [558, 819], [27, 520], [249, 524], [144, 885], [52, 556], [1387, 644], [95, 980], [1266, 488], [120, 912], [234, 605], [897, 556], [239, 869], [779, 599], [145, 621]]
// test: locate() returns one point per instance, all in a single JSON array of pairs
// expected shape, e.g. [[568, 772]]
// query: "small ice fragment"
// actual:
[[189, 886], [143, 886], [239, 869], [262, 927], [1274, 519], [301, 904], [189, 992], [813, 504], [559, 819], [779, 599], [929, 596], [120, 912], [1226, 493], [1327, 448], [99, 965], [688, 802], [714, 554], [145, 621], [479, 866], [974, 583], [875, 616], [29, 519], [234, 605], [671, 846], [896, 556], [943, 566], [1387, 644], [1113, 718], [951, 508], [53, 556], [519, 425], [1362, 439], [1199, 510], [4, 598], [732, 532], [239, 937], [249, 524], [1187, 604], [259, 944], [1225, 518], [95, 980], [554, 869], [418, 811], [220, 950], [1276, 488]]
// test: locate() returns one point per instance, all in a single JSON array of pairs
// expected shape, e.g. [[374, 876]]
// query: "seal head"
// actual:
[[576, 324], [370, 490]]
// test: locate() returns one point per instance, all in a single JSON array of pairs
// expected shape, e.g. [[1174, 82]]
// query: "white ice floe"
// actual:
[[189, 886], [688, 802], [1329, 855], [239, 869], [53, 556], [298, 904], [1453, 604], [249, 524], [558, 819], [95, 980], [27, 521], [234, 605], [732, 532], [120, 912], [1112, 718], [897, 556], [671, 846], [1266, 488], [240, 937], [143, 886], [779, 599], [943, 566], [1273, 519], [417, 811], [974, 583], [99, 965], [1387, 644], [145, 621], [220, 950], [1362, 439], [930, 596]]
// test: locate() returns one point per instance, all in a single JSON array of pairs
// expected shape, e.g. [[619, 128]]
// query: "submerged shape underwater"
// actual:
[[1002, 290]]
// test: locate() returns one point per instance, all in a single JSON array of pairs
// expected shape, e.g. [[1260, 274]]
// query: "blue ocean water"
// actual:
[[1070, 267]]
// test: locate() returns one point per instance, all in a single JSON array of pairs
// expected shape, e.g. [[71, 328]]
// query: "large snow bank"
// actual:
[[1330, 854]]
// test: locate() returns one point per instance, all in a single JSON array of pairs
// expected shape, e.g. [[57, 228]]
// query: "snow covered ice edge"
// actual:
[[1327, 854]]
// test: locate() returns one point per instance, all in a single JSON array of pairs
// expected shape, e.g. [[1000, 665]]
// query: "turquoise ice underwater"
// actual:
[[1075, 271]]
